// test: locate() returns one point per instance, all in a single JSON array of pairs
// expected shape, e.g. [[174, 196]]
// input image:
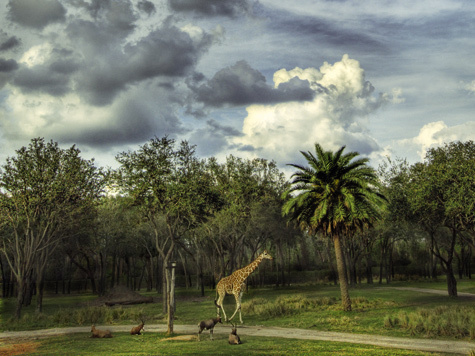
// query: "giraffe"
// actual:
[[234, 284]]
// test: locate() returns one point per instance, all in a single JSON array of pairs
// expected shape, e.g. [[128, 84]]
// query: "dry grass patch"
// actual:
[[17, 347]]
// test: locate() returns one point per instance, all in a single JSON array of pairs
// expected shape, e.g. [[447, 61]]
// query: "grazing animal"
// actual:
[[208, 325], [234, 284], [100, 333], [137, 329], [234, 338]]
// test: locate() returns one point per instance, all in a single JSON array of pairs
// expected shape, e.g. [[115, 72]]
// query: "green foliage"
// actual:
[[45, 194], [335, 193]]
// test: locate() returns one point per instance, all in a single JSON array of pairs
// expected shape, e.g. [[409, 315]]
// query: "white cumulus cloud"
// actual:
[[337, 116], [436, 134]]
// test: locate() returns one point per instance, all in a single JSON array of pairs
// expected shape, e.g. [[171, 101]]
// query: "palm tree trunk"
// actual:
[[345, 296]]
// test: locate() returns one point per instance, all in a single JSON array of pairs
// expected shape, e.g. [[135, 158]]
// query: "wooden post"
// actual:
[[171, 299]]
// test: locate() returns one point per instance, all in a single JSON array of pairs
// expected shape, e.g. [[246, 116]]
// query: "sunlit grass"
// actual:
[[445, 321], [310, 306], [156, 344]]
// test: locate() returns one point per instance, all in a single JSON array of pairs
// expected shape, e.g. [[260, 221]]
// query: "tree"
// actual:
[[442, 199], [242, 185], [170, 187], [44, 189], [335, 195]]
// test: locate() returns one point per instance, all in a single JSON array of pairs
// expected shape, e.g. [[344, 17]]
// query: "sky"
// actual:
[[266, 78]]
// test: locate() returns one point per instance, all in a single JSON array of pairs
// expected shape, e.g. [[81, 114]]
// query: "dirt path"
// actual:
[[428, 345], [432, 291]]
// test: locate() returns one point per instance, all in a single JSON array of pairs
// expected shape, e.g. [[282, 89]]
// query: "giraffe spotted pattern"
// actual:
[[234, 285]]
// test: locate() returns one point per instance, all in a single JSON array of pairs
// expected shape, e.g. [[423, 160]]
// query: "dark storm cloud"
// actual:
[[168, 52], [117, 15], [216, 127], [132, 121], [146, 6], [10, 43], [34, 13], [8, 65], [242, 85], [64, 66], [229, 8], [42, 79], [54, 76]]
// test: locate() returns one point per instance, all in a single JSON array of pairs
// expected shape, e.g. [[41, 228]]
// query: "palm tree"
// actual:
[[335, 195]]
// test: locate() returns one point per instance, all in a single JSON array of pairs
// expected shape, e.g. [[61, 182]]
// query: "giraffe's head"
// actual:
[[265, 254]]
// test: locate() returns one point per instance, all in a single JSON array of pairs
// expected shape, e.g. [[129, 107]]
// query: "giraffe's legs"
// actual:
[[220, 306], [238, 296]]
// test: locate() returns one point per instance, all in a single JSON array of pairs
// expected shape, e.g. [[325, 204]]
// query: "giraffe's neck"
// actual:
[[246, 271]]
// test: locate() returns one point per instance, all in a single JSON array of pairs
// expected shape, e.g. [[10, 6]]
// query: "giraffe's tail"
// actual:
[[216, 303]]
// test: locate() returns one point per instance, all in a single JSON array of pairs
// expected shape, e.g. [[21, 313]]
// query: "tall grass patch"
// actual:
[[445, 321], [295, 304], [77, 316]]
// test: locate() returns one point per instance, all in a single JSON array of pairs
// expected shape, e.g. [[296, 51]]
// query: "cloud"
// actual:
[[168, 51], [146, 6], [36, 14], [9, 44], [42, 79], [320, 29], [336, 116], [229, 8], [98, 63], [144, 112], [212, 138], [240, 84], [117, 14], [8, 65], [469, 87], [46, 69], [436, 134]]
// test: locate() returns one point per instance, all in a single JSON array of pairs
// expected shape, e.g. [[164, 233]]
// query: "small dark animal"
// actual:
[[208, 325], [234, 338], [137, 329], [100, 333]]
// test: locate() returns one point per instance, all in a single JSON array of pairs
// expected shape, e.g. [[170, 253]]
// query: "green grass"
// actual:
[[154, 344], [376, 310]]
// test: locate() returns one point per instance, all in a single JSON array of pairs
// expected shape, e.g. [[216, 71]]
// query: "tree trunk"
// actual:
[[345, 296], [40, 278], [369, 269], [171, 297], [451, 281], [40, 287], [4, 279], [113, 271], [164, 287], [20, 298]]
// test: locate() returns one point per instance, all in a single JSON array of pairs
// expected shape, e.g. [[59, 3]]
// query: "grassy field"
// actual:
[[377, 309], [157, 344]]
